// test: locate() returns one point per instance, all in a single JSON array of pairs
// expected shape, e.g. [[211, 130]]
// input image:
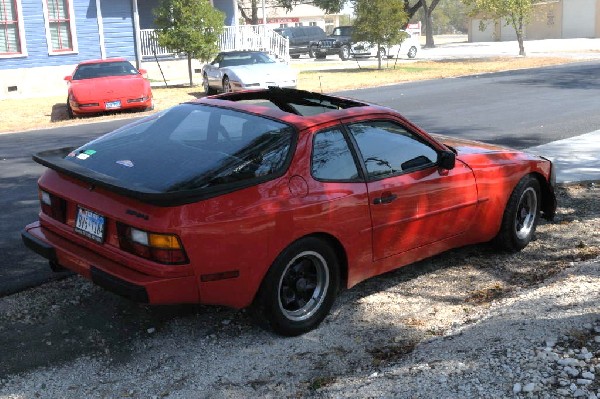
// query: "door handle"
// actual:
[[386, 198]]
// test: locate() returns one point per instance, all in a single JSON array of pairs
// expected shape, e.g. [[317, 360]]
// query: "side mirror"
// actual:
[[446, 160], [68, 78], [142, 71]]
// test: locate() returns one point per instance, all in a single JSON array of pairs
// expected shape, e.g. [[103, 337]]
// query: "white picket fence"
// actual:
[[242, 37]]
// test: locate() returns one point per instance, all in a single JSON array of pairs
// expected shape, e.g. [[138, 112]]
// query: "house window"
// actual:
[[60, 26], [11, 28], [312, 24]]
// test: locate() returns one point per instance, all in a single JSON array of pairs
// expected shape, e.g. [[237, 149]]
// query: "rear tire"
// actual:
[[412, 52], [345, 53], [299, 288], [295, 56], [521, 216], [207, 89]]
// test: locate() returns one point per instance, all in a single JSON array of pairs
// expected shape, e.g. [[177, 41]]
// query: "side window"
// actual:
[[388, 149], [331, 157]]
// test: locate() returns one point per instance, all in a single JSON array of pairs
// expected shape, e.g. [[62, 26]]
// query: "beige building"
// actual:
[[557, 19]]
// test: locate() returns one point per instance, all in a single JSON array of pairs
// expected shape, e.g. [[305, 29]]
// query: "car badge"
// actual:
[[126, 162]]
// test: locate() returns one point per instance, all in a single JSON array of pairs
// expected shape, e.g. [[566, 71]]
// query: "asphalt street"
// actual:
[[520, 109]]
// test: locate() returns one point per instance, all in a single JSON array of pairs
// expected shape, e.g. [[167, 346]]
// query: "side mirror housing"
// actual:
[[446, 160], [68, 78], [142, 71]]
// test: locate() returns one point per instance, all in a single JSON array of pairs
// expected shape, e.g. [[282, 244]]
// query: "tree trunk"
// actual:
[[378, 56], [189, 57], [428, 13], [518, 26], [428, 27], [254, 4]]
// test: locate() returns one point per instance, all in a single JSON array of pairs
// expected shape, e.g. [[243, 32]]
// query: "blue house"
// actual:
[[41, 41]]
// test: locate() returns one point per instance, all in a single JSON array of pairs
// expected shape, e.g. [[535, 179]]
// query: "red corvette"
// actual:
[[275, 199], [107, 85]]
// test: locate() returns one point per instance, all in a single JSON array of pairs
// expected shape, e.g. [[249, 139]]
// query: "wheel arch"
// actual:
[[548, 200], [331, 241]]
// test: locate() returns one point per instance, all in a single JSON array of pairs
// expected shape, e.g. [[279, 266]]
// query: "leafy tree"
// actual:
[[379, 22], [191, 27], [516, 12]]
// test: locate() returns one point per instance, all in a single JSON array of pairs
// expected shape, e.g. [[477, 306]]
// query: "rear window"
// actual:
[[190, 147]]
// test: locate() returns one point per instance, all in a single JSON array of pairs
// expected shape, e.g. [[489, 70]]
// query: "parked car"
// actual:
[[338, 43], [408, 47], [107, 85], [303, 39], [233, 71], [275, 199]]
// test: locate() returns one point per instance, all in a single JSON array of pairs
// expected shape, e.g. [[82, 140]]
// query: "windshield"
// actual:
[[102, 69], [342, 31], [189, 147], [245, 58]]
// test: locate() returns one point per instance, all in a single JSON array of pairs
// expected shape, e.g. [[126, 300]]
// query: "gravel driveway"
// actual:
[[468, 323]]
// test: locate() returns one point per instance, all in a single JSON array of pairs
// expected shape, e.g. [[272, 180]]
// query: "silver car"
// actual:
[[234, 71]]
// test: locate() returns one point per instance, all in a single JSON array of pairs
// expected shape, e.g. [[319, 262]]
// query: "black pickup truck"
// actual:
[[339, 42]]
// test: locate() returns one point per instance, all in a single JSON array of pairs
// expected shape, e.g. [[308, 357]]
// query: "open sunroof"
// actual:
[[299, 102]]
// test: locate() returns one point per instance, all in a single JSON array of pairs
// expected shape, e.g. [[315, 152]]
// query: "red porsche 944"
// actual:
[[275, 200], [107, 85]]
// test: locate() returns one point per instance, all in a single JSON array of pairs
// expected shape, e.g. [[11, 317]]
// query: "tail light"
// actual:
[[53, 206], [160, 248]]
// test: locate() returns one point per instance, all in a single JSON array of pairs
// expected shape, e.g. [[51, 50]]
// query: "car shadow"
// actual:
[[59, 113]]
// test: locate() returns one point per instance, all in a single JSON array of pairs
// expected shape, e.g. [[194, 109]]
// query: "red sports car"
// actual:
[[275, 199], [107, 85]]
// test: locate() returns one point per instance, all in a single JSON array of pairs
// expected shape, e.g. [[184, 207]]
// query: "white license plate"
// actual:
[[90, 224], [113, 105]]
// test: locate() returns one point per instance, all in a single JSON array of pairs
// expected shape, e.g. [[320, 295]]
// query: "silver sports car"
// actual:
[[245, 70]]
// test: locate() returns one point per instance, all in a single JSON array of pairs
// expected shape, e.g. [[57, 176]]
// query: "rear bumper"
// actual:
[[107, 273]]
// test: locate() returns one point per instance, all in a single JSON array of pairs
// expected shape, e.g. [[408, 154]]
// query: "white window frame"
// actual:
[[75, 49], [21, 32]]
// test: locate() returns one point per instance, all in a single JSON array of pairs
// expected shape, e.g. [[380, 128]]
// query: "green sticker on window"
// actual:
[[89, 152]]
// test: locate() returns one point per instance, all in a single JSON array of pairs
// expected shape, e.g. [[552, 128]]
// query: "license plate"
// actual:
[[90, 224], [113, 105]]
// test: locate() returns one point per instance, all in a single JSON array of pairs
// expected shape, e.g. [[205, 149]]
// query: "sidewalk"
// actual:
[[576, 159]]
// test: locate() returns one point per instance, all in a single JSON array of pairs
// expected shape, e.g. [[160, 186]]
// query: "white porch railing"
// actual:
[[255, 37], [150, 46], [242, 37]]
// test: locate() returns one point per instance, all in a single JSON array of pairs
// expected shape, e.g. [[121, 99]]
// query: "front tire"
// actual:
[[70, 113], [226, 85], [521, 216], [299, 288], [311, 52]]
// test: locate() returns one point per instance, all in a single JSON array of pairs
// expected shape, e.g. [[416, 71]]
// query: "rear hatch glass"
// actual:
[[188, 147]]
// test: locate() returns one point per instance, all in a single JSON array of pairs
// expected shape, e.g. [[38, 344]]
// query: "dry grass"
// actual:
[[338, 79], [39, 113]]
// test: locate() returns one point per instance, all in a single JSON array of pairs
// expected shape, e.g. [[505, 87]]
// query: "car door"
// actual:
[[413, 202]]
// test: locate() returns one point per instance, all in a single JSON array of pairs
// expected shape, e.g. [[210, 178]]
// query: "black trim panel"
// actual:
[[38, 246], [118, 286]]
